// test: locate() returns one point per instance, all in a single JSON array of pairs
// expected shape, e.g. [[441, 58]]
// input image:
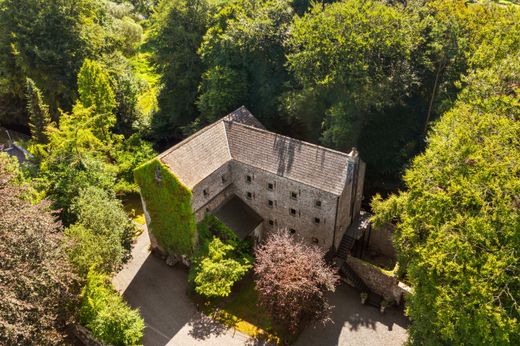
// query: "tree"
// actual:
[[292, 279], [107, 315], [39, 117], [244, 59], [175, 36], [349, 59], [95, 91], [217, 272], [39, 287], [47, 41], [102, 234], [457, 234]]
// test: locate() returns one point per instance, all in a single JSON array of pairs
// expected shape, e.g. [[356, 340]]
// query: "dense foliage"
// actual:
[[106, 314], [102, 235], [221, 259], [292, 279], [168, 202], [458, 223], [38, 285]]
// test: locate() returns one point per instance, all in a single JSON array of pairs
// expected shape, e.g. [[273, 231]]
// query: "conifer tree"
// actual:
[[95, 91], [39, 116]]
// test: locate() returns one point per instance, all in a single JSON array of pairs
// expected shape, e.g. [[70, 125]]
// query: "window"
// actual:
[[205, 192], [294, 195], [292, 212], [317, 220], [292, 230], [270, 203], [270, 186], [224, 179], [207, 210], [317, 203], [249, 195], [271, 223], [249, 179], [315, 240]]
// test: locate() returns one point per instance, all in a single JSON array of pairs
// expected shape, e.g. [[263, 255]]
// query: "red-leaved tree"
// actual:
[[292, 279], [38, 287]]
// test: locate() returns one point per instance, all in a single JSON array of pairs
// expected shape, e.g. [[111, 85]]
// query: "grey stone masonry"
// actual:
[[312, 191]]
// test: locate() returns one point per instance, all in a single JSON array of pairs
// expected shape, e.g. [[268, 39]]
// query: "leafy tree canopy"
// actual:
[[39, 287], [457, 224]]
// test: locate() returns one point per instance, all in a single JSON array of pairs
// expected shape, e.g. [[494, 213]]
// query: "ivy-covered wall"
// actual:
[[168, 203]]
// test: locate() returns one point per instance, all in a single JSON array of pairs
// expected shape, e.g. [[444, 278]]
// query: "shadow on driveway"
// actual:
[[357, 324]]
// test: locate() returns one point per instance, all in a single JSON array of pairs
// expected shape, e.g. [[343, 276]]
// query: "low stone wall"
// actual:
[[378, 281], [381, 240]]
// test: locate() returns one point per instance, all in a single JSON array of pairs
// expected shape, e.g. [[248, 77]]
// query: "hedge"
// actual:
[[168, 203]]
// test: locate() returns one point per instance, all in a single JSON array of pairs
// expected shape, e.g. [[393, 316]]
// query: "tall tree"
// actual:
[[39, 116], [47, 41], [39, 288], [95, 91], [244, 57], [292, 279], [175, 36], [350, 59], [457, 234]]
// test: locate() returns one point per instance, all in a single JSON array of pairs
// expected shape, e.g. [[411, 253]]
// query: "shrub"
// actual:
[[292, 279], [168, 202], [221, 259], [104, 312]]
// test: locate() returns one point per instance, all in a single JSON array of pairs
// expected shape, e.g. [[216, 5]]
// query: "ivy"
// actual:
[[168, 202]]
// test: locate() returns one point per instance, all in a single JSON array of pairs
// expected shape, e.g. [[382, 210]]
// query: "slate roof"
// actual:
[[238, 137]]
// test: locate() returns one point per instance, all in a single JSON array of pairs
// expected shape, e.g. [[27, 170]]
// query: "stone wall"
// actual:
[[205, 192], [257, 195], [377, 280], [381, 240]]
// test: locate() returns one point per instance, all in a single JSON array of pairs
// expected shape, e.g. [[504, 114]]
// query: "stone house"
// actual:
[[255, 180]]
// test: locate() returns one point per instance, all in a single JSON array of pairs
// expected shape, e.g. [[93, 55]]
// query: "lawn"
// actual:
[[241, 311], [134, 208]]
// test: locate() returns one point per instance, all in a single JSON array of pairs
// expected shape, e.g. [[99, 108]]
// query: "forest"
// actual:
[[428, 91]]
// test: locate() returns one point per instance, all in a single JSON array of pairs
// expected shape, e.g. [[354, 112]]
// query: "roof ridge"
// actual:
[[291, 138]]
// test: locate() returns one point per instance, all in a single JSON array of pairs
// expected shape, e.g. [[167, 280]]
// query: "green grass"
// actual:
[[134, 208], [242, 312]]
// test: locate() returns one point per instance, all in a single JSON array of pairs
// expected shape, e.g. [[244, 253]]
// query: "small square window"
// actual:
[[249, 195], [292, 212], [294, 195], [271, 223], [205, 192], [292, 230], [315, 240], [317, 203], [317, 220], [224, 179], [270, 203], [249, 179], [270, 186]]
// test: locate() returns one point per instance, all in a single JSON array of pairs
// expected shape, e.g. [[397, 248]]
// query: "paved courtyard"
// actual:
[[159, 291]]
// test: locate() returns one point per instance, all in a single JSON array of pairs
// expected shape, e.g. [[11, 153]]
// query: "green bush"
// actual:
[[221, 259], [108, 317], [168, 203]]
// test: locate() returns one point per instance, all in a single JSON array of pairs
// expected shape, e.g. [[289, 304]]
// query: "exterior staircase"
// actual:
[[344, 249], [346, 245]]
